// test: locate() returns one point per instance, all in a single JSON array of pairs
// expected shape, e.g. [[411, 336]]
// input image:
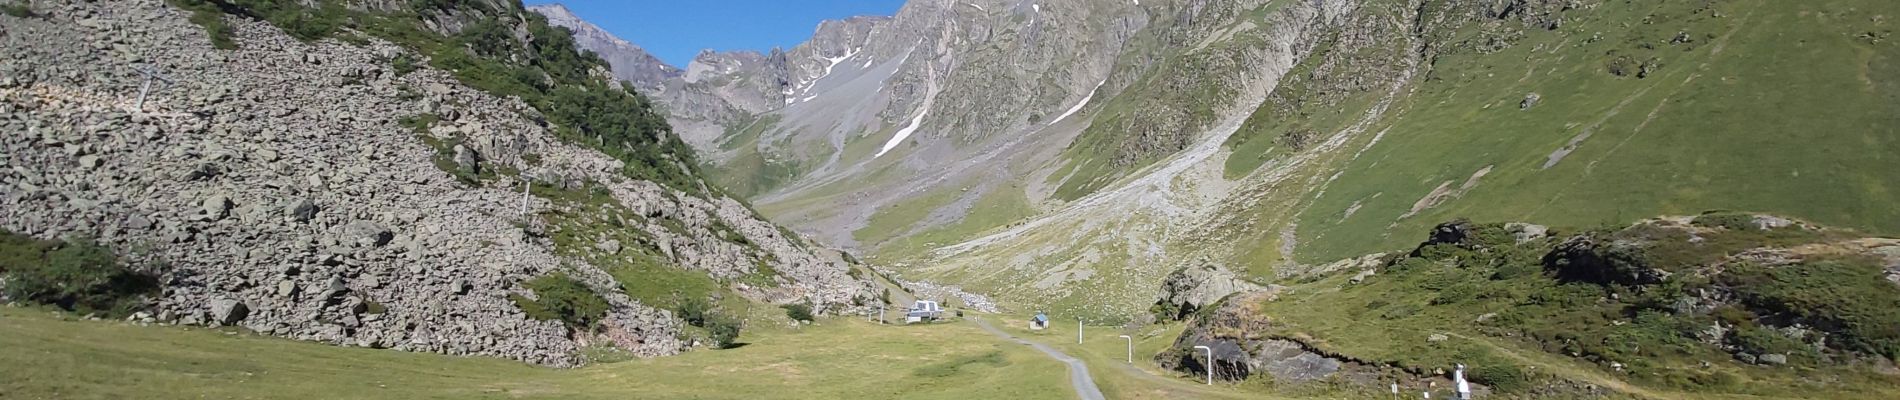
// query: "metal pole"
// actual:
[[525, 185], [1131, 348], [1078, 330], [143, 88], [1210, 363], [146, 87]]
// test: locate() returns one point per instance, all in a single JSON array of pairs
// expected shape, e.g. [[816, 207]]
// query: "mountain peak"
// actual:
[[629, 62]]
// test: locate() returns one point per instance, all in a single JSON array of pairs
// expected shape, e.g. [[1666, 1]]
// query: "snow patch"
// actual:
[[1078, 105], [978, 7], [903, 133], [806, 84], [1037, 7]]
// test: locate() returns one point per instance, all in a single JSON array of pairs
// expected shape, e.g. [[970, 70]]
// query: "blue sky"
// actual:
[[675, 30]]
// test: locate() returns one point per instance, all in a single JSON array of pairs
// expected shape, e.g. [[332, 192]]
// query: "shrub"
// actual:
[[1726, 220], [798, 312], [693, 310], [20, 10], [80, 276], [403, 64], [1501, 377], [561, 298], [1760, 340], [211, 18], [724, 329]]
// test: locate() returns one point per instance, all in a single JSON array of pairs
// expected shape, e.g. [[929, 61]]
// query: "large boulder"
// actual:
[[228, 311], [1601, 260], [1241, 340], [1191, 288]]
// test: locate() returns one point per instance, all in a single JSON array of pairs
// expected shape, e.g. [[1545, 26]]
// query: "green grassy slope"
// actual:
[[1785, 107], [53, 357], [1545, 310]]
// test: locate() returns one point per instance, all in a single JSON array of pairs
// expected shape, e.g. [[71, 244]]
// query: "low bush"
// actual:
[[1501, 377], [19, 10], [693, 310], [798, 312], [1726, 220], [561, 298], [723, 328], [79, 276]]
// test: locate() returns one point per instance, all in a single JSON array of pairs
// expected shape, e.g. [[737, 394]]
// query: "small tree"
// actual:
[[724, 329]]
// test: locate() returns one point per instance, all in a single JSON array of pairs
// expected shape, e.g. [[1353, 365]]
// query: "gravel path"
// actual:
[[1078, 371]]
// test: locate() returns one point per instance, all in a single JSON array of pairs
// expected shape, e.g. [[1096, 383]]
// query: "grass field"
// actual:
[[53, 356]]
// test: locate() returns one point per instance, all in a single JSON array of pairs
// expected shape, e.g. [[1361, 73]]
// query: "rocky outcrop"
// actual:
[[277, 188], [1239, 337], [629, 62], [1191, 288]]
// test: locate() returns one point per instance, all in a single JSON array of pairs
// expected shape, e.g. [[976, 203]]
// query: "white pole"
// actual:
[[1078, 330], [525, 184], [1131, 348], [143, 88], [1210, 363]]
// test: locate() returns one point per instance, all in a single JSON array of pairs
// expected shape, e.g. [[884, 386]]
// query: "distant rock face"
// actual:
[[1193, 288], [277, 189], [630, 62]]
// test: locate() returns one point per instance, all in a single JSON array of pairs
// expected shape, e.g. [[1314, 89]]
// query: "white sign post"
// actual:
[[1210, 363]]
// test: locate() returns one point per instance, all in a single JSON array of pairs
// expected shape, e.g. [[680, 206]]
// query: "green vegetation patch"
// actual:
[[80, 276], [561, 298], [22, 9]]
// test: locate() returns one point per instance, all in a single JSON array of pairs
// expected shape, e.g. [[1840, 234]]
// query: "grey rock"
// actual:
[[91, 161], [214, 208], [138, 222], [301, 210], [228, 311], [1526, 232], [287, 289], [466, 160], [1770, 222], [609, 246], [204, 171], [368, 234], [1773, 359], [1530, 100]]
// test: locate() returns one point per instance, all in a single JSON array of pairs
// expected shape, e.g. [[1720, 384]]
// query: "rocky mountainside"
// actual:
[[629, 62], [343, 189], [1043, 150]]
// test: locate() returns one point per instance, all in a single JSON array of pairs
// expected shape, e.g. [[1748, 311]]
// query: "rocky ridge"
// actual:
[[262, 201]]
